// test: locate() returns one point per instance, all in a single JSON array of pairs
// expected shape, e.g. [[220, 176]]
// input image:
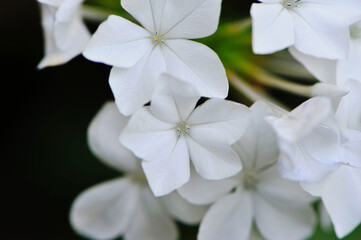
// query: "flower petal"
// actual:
[[295, 163], [201, 191], [147, 12], [133, 87], [323, 69], [341, 196], [211, 154], [183, 210], [287, 192], [148, 137], [173, 99], [103, 139], [68, 9], [257, 147], [229, 218], [197, 64], [63, 41], [169, 171], [272, 28], [190, 18], [327, 31], [151, 220], [105, 211], [118, 42], [283, 222], [228, 118], [302, 120], [347, 114], [346, 69]]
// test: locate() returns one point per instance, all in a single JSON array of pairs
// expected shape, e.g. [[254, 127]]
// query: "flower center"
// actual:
[[355, 31], [250, 180], [158, 38], [291, 3], [183, 129], [139, 178]]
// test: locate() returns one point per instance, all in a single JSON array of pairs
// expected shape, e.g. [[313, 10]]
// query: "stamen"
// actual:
[[158, 38], [291, 3], [250, 180], [183, 129]]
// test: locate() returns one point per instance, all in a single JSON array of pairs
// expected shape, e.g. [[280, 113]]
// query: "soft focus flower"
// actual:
[[314, 27], [340, 191], [341, 194], [170, 131], [313, 143], [279, 208], [139, 55], [65, 34], [125, 205], [336, 71]]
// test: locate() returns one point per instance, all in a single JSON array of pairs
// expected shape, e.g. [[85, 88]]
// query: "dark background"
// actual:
[[47, 162]]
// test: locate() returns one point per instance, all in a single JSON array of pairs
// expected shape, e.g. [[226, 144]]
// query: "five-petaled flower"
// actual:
[[139, 55], [125, 205], [170, 131]]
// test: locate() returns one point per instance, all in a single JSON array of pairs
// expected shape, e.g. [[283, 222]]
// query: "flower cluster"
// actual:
[[189, 154]]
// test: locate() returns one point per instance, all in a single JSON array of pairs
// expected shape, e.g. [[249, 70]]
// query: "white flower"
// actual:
[[65, 34], [335, 71], [125, 206], [314, 27], [279, 208], [312, 143], [140, 55], [341, 195], [168, 132]]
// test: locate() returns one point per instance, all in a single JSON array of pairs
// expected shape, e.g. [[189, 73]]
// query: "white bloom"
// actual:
[[314, 27], [125, 206], [341, 195], [313, 143], [65, 34], [335, 71], [140, 55], [170, 131], [278, 207]]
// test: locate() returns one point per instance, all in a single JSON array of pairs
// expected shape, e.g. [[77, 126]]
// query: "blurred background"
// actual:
[[47, 162]]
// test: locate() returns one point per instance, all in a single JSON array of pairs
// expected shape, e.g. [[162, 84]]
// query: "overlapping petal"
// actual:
[[176, 18], [182, 209], [174, 100], [340, 195], [105, 211], [278, 221], [148, 137], [229, 218], [133, 87], [201, 191], [103, 139], [229, 118], [197, 64], [151, 221], [170, 170], [65, 36], [211, 154]]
